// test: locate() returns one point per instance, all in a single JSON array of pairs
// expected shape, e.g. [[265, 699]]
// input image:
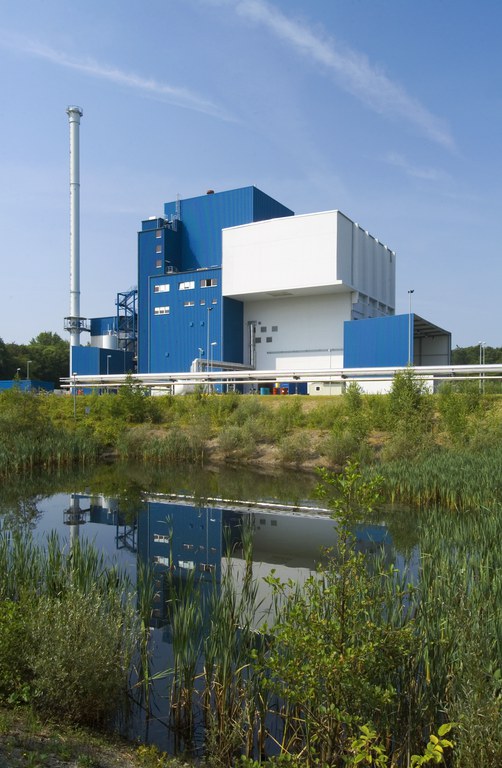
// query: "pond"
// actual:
[[212, 526]]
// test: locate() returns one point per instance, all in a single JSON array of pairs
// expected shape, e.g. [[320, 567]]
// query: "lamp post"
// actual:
[[213, 344], [74, 395], [482, 358], [209, 309], [108, 357], [412, 290], [28, 362]]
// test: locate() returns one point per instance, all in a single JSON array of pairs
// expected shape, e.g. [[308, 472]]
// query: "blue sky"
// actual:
[[388, 110]]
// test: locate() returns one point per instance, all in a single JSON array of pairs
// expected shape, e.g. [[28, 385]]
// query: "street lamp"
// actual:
[[211, 355], [74, 395], [28, 369], [482, 358], [209, 309], [108, 357], [412, 290]]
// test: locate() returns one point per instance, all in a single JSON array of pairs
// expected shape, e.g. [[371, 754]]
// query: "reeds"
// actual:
[[455, 480], [76, 628]]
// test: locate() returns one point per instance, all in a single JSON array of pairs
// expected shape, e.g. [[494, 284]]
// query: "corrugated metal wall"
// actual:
[[171, 330], [377, 342]]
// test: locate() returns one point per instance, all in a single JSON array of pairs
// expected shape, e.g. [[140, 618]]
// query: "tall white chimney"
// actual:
[[74, 320]]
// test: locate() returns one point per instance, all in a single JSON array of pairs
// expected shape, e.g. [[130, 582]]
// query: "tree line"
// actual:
[[46, 358], [472, 356]]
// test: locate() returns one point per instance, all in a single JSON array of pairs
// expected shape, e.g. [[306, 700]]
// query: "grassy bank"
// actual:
[[441, 448]]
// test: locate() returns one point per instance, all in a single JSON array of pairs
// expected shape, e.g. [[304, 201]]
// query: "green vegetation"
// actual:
[[67, 629], [48, 356], [356, 666], [441, 448], [360, 665]]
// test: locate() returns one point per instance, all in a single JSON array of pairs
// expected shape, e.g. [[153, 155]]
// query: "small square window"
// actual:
[[158, 249], [258, 340], [158, 234], [202, 302], [275, 328], [158, 263], [269, 339], [214, 301], [263, 329]]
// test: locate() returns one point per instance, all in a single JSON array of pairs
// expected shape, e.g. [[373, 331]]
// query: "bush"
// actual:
[[80, 655], [339, 447], [14, 673], [295, 448], [237, 441]]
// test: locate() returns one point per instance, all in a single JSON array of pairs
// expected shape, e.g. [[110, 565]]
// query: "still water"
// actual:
[[184, 521]]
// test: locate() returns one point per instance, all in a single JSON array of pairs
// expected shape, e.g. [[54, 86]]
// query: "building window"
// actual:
[[263, 329], [187, 285], [158, 263], [158, 249], [161, 310], [161, 288], [275, 328], [257, 340], [269, 339], [214, 301], [158, 234], [202, 302], [208, 283], [189, 303]]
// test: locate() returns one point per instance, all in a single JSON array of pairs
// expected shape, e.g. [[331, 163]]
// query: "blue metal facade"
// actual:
[[91, 360], [377, 342], [181, 312]]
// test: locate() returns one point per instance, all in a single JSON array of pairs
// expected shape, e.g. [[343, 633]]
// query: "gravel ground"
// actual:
[[26, 742]]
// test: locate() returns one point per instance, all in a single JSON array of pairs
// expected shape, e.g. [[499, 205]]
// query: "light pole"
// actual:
[[74, 395], [482, 358], [28, 362], [108, 357], [209, 309], [412, 290], [213, 344]]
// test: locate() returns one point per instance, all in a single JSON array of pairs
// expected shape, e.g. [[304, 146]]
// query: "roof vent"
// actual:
[[210, 192]]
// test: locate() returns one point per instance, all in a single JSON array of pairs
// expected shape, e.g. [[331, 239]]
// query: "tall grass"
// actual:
[[76, 629], [455, 480]]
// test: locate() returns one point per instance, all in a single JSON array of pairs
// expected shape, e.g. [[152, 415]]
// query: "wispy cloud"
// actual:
[[352, 70], [426, 174], [181, 97]]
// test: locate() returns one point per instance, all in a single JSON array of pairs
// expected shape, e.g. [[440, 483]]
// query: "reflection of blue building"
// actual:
[[182, 537], [179, 538]]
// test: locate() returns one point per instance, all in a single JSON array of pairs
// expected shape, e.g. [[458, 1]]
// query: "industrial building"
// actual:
[[235, 279]]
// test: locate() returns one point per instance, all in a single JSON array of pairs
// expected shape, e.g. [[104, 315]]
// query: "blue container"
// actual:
[[264, 391]]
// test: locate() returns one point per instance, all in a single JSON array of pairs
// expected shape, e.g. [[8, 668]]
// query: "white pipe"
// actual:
[[74, 115]]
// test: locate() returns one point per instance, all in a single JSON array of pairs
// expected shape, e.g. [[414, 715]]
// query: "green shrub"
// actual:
[[339, 447], [237, 441], [80, 656], [295, 448], [14, 673]]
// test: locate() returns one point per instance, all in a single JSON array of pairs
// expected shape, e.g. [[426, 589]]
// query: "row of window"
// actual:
[[258, 339], [274, 328], [187, 285], [167, 310]]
